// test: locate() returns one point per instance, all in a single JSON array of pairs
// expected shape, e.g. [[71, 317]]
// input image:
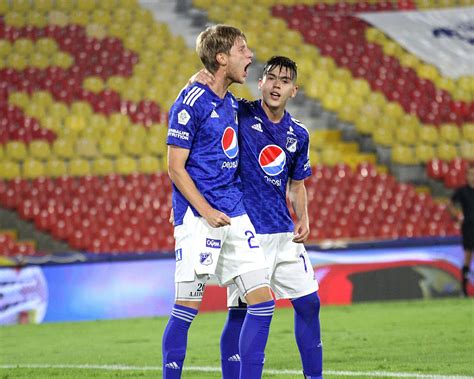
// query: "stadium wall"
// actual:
[[111, 289]]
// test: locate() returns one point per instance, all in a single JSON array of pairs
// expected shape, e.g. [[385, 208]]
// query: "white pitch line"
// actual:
[[380, 374]]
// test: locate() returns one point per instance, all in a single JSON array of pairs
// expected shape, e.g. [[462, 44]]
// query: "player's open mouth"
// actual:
[[275, 95], [247, 67]]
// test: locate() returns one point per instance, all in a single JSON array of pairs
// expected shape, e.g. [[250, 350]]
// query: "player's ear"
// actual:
[[260, 83], [294, 91], [221, 59]]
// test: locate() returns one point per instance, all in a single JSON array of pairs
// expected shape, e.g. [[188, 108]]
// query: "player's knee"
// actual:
[[254, 286]]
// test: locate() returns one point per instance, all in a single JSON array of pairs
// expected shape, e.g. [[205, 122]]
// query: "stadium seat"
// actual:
[[79, 167], [446, 152], [55, 168], [39, 150], [404, 155], [449, 133], [148, 164], [16, 151], [424, 153], [63, 148], [125, 165], [9, 170], [468, 132], [102, 166], [429, 135], [32, 169]]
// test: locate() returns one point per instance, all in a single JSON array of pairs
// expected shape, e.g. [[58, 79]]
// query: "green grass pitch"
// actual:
[[421, 339]]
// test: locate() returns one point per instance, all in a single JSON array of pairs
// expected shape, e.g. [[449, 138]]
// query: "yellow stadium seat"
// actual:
[[20, 99], [86, 5], [16, 150], [23, 46], [2, 153], [39, 60], [468, 132], [125, 165], [449, 133], [360, 88], [330, 156], [17, 60], [100, 16], [365, 125], [58, 18], [155, 146], [32, 169], [21, 6], [4, 7], [43, 5], [428, 134], [424, 152], [148, 164], [65, 5], [394, 110], [86, 148], [63, 148], [93, 83], [5, 48], [9, 170], [62, 60], [128, 4], [446, 152], [108, 5], [383, 136], [134, 145], [36, 19], [79, 17], [15, 19], [406, 135], [81, 108], [75, 123], [109, 147], [404, 155], [102, 166], [467, 150], [79, 167], [40, 150], [42, 98], [55, 168]]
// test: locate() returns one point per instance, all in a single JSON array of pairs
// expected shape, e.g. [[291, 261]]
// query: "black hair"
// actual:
[[282, 62]]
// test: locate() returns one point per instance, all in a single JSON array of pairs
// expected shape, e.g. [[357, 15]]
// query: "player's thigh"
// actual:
[[241, 252], [190, 293], [293, 274]]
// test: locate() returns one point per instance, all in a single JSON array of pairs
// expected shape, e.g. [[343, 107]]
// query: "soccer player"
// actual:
[[212, 230], [274, 157], [465, 197]]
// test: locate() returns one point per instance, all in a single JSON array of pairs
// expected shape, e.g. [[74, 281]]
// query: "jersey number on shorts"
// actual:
[[304, 262], [249, 240]]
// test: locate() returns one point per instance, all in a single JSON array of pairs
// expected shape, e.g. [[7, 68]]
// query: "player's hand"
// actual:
[[171, 219], [202, 76], [216, 218], [301, 232]]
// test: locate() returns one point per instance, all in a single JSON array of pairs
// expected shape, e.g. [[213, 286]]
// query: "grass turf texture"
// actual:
[[426, 337]]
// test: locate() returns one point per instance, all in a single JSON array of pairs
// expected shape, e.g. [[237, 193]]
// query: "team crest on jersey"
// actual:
[[205, 259], [272, 160], [183, 117], [291, 143], [230, 143]]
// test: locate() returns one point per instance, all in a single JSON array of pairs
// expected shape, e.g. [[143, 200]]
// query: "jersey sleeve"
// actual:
[[183, 123], [302, 167]]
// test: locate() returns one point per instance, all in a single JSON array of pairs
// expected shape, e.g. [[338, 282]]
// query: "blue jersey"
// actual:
[[207, 125], [270, 155]]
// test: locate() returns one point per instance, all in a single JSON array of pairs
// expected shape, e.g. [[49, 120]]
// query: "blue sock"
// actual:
[[230, 358], [253, 339], [308, 334], [175, 339]]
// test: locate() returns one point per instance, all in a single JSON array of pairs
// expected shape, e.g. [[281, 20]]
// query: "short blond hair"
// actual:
[[214, 40]]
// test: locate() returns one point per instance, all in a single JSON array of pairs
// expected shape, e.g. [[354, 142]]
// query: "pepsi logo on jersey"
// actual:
[[272, 160], [230, 143]]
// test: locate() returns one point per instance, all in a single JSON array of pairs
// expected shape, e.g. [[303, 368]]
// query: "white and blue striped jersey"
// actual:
[[207, 125]]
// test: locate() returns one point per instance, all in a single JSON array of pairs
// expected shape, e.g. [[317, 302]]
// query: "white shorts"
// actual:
[[291, 272], [226, 252]]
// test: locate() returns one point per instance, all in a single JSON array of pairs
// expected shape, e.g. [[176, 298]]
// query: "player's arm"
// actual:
[[177, 157], [299, 202]]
